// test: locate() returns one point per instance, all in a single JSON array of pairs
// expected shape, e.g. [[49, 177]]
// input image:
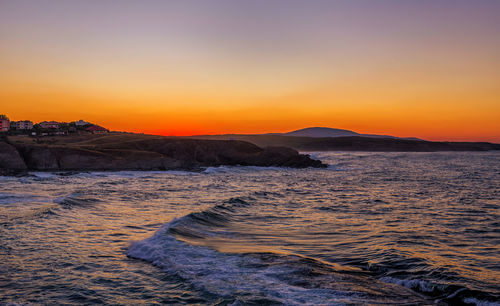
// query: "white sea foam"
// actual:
[[43, 175], [122, 174], [477, 302], [109, 174], [415, 284]]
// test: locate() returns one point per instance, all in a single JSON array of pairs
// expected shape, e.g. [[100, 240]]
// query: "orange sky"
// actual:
[[404, 69]]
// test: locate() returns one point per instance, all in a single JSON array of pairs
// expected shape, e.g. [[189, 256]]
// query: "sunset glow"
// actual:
[[428, 69]]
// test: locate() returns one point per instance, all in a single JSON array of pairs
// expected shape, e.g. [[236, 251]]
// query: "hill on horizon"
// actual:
[[319, 132]]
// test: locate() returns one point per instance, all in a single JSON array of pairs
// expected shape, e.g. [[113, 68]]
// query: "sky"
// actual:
[[422, 68]]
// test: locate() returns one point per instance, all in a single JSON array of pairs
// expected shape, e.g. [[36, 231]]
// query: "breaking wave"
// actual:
[[76, 199], [255, 277]]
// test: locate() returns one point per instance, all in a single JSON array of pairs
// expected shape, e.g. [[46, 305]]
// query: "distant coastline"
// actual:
[[355, 143], [83, 146], [331, 139]]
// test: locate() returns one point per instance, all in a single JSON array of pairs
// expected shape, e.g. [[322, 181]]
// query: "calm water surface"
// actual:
[[380, 228]]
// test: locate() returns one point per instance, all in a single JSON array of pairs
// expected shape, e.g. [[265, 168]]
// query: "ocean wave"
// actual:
[[27, 215], [14, 198], [442, 293], [338, 167], [270, 277], [43, 175], [119, 174], [201, 224], [76, 199], [477, 302], [106, 174], [415, 284], [254, 277], [239, 169]]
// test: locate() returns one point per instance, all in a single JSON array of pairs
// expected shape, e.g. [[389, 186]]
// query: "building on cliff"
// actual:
[[4, 123], [49, 125], [22, 125]]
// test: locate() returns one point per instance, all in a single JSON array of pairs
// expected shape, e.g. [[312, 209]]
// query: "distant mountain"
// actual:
[[330, 132], [321, 132]]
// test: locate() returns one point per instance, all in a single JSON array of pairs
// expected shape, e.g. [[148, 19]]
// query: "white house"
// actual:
[[22, 125]]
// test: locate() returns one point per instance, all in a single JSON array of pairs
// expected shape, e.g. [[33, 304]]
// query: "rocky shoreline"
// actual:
[[162, 153]]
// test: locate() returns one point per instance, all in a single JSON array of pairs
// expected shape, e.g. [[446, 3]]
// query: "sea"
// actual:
[[372, 228]]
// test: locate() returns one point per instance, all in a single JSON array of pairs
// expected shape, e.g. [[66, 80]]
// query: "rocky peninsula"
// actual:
[[357, 143], [113, 152]]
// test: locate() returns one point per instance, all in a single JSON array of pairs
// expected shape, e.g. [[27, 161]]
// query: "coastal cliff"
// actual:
[[130, 152], [10, 158]]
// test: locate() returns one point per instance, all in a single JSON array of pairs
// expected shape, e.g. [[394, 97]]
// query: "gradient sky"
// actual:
[[424, 68]]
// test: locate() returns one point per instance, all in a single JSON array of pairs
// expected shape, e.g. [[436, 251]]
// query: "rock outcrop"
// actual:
[[147, 154], [10, 160]]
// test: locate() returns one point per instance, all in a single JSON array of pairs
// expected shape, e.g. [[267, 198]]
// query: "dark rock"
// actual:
[[66, 158], [10, 158], [286, 157], [148, 154]]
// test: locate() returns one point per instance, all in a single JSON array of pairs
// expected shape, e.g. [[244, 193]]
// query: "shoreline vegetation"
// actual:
[[124, 151]]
